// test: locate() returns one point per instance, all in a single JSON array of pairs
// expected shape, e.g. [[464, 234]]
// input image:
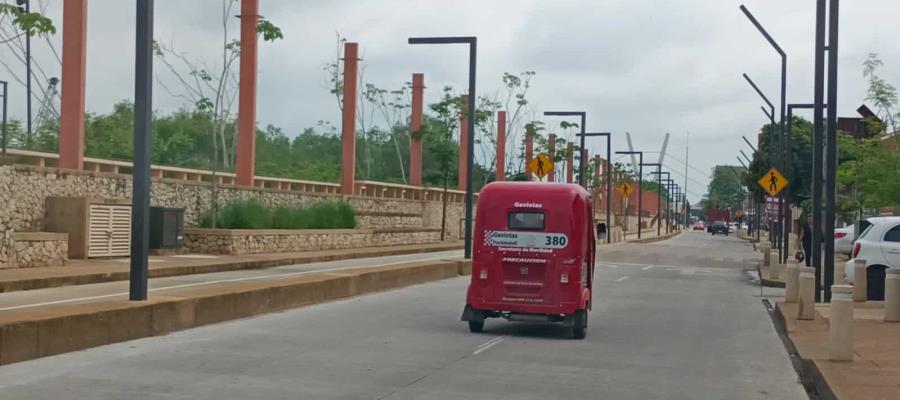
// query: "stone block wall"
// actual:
[[24, 190], [38, 249], [246, 241]]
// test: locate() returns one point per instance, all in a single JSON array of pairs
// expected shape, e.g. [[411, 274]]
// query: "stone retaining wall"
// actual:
[[24, 190], [249, 241], [375, 220], [39, 249]]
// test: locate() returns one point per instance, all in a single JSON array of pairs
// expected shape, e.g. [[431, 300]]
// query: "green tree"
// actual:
[[882, 94]]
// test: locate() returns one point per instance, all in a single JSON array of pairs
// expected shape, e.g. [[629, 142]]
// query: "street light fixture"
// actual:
[[783, 55], [640, 187], [472, 41], [749, 144], [583, 116], [772, 237], [608, 169], [659, 195]]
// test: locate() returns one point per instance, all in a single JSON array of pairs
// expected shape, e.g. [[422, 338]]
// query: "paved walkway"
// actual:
[[874, 373]]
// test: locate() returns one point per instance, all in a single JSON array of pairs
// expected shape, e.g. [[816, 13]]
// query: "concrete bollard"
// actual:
[[767, 257], [839, 278], [792, 283], [892, 295], [807, 288], [860, 280], [840, 328], [774, 265]]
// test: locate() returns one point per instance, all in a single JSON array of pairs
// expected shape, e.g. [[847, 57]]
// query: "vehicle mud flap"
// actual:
[[472, 315]]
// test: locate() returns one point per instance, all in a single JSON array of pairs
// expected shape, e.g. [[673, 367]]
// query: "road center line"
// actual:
[[649, 267], [490, 343], [621, 279]]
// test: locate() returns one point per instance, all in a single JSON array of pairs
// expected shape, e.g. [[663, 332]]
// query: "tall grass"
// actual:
[[250, 214]]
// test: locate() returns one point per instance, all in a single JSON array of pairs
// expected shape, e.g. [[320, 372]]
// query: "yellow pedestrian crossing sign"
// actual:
[[541, 165], [773, 182], [625, 189]]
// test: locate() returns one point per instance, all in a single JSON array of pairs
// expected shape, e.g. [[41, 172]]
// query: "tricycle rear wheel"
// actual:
[[476, 327], [579, 331]]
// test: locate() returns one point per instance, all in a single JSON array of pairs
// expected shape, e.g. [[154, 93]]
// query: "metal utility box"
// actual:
[[166, 228], [96, 227]]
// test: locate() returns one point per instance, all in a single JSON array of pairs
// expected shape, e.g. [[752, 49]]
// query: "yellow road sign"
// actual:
[[738, 213], [541, 165], [624, 189], [773, 182]]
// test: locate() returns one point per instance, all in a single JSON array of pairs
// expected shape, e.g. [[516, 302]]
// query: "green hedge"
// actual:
[[250, 214]]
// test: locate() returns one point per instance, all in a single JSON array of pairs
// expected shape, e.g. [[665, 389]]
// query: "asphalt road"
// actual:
[[673, 320]]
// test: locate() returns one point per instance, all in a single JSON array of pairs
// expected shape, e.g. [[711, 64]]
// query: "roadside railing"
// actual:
[[362, 188]]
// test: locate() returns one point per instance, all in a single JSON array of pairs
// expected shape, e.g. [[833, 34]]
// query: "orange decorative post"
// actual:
[[570, 162], [551, 148], [246, 123], [348, 120], [529, 149], [71, 124], [501, 146], [463, 149], [415, 127]]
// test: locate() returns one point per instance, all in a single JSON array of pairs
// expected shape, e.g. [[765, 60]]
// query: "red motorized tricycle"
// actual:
[[533, 256]]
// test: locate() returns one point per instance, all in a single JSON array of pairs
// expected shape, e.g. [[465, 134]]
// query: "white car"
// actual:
[[843, 239], [879, 245]]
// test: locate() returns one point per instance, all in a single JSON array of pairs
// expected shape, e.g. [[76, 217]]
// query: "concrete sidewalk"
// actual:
[[874, 373], [81, 272]]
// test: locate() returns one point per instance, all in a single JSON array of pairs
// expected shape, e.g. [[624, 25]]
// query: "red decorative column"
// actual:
[[348, 119], [71, 124], [529, 150], [570, 162], [463, 148], [415, 126], [501, 146], [551, 148], [584, 156], [246, 146]]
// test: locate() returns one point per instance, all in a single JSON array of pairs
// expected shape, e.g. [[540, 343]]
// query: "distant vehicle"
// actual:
[[716, 214], [879, 245], [719, 227], [843, 239], [698, 226], [533, 257], [732, 226]]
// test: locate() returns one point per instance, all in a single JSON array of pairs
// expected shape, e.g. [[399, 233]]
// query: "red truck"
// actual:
[[716, 214]]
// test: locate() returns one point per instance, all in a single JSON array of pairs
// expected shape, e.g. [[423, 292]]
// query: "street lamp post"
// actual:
[[783, 56], [25, 6], [583, 116], [772, 239], [640, 187], [608, 169], [659, 177], [658, 196], [5, 95], [756, 205], [470, 140], [831, 146]]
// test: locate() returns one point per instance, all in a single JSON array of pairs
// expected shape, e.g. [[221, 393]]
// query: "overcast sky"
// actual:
[[641, 66]]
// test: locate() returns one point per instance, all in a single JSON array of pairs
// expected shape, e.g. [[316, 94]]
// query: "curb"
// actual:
[[102, 277], [55, 330], [768, 282], [810, 376], [655, 238]]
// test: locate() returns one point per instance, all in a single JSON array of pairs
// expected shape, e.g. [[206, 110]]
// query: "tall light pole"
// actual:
[[583, 116], [640, 187], [831, 145], [5, 96], [660, 179], [143, 113], [783, 56], [771, 115], [25, 6], [608, 169], [472, 41], [756, 211], [658, 196]]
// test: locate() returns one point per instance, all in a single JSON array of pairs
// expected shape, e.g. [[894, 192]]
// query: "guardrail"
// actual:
[[362, 188]]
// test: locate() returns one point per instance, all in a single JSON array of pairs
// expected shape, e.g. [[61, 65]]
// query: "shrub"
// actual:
[[250, 214]]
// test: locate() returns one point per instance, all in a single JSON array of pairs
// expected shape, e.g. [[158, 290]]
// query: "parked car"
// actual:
[[732, 226], [719, 227], [879, 245], [698, 226], [843, 239]]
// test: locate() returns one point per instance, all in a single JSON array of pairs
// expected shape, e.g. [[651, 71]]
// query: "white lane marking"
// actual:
[[612, 266], [247, 278], [621, 279], [490, 343], [649, 267]]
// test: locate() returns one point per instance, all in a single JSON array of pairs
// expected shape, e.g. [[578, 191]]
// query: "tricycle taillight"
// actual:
[[483, 274], [564, 278]]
